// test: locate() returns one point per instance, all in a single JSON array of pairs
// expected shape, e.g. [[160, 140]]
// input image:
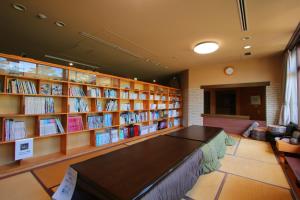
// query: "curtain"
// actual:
[[289, 108]]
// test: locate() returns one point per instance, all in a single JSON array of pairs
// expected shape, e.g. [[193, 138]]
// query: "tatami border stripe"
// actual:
[[49, 192], [220, 187]]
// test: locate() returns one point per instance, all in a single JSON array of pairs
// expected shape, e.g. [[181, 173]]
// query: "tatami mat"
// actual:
[[22, 186], [257, 170], [256, 150], [239, 188], [207, 186], [232, 149], [52, 175]]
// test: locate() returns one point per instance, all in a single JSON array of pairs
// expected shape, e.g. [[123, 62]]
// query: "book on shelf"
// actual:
[[78, 105], [175, 104], [14, 130], [50, 126], [124, 95], [173, 113], [162, 124], [114, 135], [95, 122], [108, 119], [99, 105], [155, 115], [143, 96], [133, 95], [94, 92], [161, 106], [153, 106], [76, 91], [75, 123], [110, 93], [111, 105], [132, 117], [176, 122], [39, 105], [102, 138], [57, 89], [45, 88], [125, 107], [163, 98], [153, 127], [125, 85], [17, 86], [157, 97], [151, 97], [138, 106]]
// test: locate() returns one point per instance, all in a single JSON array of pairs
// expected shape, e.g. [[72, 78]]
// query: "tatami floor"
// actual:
[[249, 171]]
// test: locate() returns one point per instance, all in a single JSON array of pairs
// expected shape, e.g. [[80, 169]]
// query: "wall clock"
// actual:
[[229, 71]]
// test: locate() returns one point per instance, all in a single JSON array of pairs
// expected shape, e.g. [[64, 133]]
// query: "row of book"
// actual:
[[132, 117], [154, 106], [75, 123], [138, 106], [78, 105], [110, 93], [155, 115], [173, 113], [158, 97], [76, 91], [95, 122], [111, 105], [175, 122], [14, 130], [17, 86], [108, 119], [173, 98], [124, 95], [94, 92], [107, 137], [133, 95], [51, 89], [125, 106], [174, 105], [39, 105], [162, 124], [50, 126], [99, 105]]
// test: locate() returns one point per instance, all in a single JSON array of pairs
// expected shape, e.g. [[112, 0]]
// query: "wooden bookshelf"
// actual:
[[68, 144]]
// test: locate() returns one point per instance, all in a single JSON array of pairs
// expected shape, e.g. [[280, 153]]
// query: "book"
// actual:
[[39, 105], [99, 106], [133, 117], [133, 95], [110, 93], [114, 135], [76, 91], [107, 120], [111, 105], [45, 88], [78, 105], [57, 89], [17, 86], [124, 95], [94, 92], [103, 137], [138, 106], [50, 126], [125, 106], [95, 122], [75, 123], [14, 130]]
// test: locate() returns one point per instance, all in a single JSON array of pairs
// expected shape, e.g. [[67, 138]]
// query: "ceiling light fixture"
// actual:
[[247, 47], [59, 24], [41, 16], [19, 7], [154, 81], [71, 64], [206, 47], [135, 78]]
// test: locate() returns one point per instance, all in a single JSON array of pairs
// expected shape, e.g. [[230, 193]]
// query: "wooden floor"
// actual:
[[249, 171]]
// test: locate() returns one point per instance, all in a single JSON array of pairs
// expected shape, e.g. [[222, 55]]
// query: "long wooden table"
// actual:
[[136, 171], [199, 133]]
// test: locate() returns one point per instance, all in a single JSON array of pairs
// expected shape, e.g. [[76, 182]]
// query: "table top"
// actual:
[[131, 172], [199, 133]]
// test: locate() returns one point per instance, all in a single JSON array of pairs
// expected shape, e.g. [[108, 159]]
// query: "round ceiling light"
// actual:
[[246, 38], [206, 47], [41, 16], [247, 47], [19, 7], [59, 24]]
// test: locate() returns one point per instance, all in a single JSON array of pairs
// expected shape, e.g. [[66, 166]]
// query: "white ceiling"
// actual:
[[159, 33]]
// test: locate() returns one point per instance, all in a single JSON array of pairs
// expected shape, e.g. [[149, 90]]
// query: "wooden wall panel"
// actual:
[[234, 126], [78, 140], [46, 146]]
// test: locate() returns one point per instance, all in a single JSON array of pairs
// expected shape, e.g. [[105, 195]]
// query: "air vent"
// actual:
[[243, 17]]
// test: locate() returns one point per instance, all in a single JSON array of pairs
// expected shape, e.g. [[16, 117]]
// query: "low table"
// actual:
[[141, 171], [199, 133]]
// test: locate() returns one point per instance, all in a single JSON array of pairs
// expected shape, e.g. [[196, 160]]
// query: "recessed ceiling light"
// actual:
[[247, 47], [206, 47], [154, 81], [246, 38], [18, 7], [41, 16], [59, 24], [71, 64], [135, 78]]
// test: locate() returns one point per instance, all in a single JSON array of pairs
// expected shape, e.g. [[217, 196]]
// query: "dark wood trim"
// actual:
[[237, 85], [226, 116], [294, 39]]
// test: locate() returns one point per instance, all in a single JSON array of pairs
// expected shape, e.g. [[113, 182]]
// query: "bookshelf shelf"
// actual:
[[98, 91]]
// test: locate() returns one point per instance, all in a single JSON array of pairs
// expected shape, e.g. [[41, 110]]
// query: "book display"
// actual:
[[58, 106]]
